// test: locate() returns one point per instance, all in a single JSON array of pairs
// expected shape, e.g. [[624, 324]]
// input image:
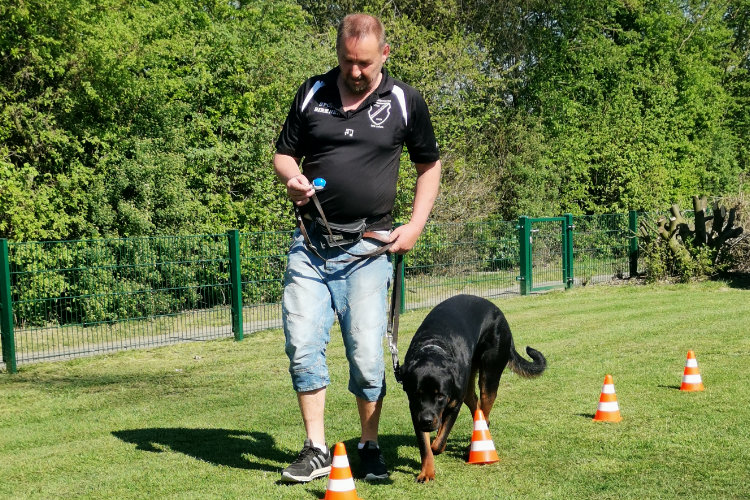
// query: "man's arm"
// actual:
[[298, 189], [428, 184]]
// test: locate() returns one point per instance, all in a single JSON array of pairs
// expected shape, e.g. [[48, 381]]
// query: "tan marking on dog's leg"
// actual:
[[446, 424], [487, 393], [486, 402], [428, 460], [438, 444]]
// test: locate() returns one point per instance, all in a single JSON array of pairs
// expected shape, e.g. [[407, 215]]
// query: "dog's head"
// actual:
[[429, 392]]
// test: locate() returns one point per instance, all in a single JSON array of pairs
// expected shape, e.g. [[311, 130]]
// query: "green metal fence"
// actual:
[[71, 298], [263, 260], [476, 258], [67, 299], [546, 253], [604, 248]]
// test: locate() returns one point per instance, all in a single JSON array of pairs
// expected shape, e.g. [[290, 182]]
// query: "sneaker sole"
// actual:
[[288, 478], [373, 477]]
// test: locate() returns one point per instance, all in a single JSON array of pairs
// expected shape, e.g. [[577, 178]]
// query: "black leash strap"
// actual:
[[392, 332]]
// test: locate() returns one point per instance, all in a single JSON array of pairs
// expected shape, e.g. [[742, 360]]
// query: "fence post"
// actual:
[[568, 276], [524, 254], [6, 312], [633, 244], [235, 282]]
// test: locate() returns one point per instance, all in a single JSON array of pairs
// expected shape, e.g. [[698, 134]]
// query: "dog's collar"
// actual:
[[434, 346]]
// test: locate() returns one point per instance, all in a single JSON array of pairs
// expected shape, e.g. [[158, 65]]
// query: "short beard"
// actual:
[[356, 89]]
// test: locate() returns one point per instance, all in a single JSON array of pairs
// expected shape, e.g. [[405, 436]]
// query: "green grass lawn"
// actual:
[[219, 419]]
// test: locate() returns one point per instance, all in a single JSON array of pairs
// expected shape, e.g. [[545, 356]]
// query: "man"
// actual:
[[348, 127]]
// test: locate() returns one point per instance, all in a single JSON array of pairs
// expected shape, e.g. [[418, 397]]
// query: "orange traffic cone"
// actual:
[[340, 480], [691, 377], [608, 409], [482, 448]]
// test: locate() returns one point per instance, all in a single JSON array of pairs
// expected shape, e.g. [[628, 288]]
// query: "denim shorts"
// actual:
[[315, 294]]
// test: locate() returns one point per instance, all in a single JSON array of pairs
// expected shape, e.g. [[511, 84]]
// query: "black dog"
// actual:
[[460, 338]]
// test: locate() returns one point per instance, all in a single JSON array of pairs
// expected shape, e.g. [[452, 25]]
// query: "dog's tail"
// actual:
[[525, 368]]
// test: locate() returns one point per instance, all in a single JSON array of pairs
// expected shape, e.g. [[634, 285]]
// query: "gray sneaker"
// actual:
[[373, 463], [310, 463]]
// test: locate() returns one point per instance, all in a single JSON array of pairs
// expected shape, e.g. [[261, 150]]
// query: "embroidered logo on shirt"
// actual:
[[379, 113]]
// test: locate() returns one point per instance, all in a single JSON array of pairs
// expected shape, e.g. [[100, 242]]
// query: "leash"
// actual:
[[392, 332], [393, 313]]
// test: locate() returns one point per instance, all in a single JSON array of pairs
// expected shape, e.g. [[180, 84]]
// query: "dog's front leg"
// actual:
[[428, 460], [449, 418]]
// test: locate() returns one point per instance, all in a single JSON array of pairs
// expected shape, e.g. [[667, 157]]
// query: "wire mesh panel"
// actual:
[[80, 297], [547, 253], [601, 248], [264, 257], [449, 259]]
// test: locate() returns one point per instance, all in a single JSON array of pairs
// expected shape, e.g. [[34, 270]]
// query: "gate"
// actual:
[[546, 253]]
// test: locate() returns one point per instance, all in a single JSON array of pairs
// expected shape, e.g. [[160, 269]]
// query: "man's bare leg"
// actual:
[[312, 405]]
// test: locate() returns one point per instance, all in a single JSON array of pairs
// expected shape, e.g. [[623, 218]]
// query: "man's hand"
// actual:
[[299, 190], [405, 237]]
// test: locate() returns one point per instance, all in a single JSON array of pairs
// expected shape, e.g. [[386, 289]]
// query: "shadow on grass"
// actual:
[[228, 447], [252, 450], [458, 449], [389, 445], [738, 280]]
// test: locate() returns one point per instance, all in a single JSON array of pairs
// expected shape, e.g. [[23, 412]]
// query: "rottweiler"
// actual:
[[460, 338]]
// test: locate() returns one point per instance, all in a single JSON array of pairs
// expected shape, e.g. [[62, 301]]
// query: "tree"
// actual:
[[48, 186], [126, 119], [121, 119]]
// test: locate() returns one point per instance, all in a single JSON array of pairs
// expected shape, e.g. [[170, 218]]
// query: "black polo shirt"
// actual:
[[357, 152]]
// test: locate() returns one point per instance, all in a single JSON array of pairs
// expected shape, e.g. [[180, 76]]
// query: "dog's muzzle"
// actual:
[[429, 423]]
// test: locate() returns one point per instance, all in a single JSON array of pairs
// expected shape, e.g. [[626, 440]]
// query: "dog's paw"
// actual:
[[425, 478], [427, 474]]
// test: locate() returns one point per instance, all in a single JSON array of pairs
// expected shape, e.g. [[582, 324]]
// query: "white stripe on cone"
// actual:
[[341, 484], [608, 389], [692, 379], [481, 425], [340, 461], [482, 446], [691, 363], [608, 406]]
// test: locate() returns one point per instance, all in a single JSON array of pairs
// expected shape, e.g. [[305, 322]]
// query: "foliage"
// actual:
[[93, 281], [631, 103], [126, 119], [159, 117], [697, 248], [739, 253]]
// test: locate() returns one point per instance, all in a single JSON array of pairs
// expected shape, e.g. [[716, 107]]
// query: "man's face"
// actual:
[[361, 60]]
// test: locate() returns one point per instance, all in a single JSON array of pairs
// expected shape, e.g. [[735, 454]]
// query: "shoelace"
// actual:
[[304, 454]]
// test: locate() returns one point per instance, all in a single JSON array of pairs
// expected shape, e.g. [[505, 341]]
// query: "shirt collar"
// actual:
[[385, 86]]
